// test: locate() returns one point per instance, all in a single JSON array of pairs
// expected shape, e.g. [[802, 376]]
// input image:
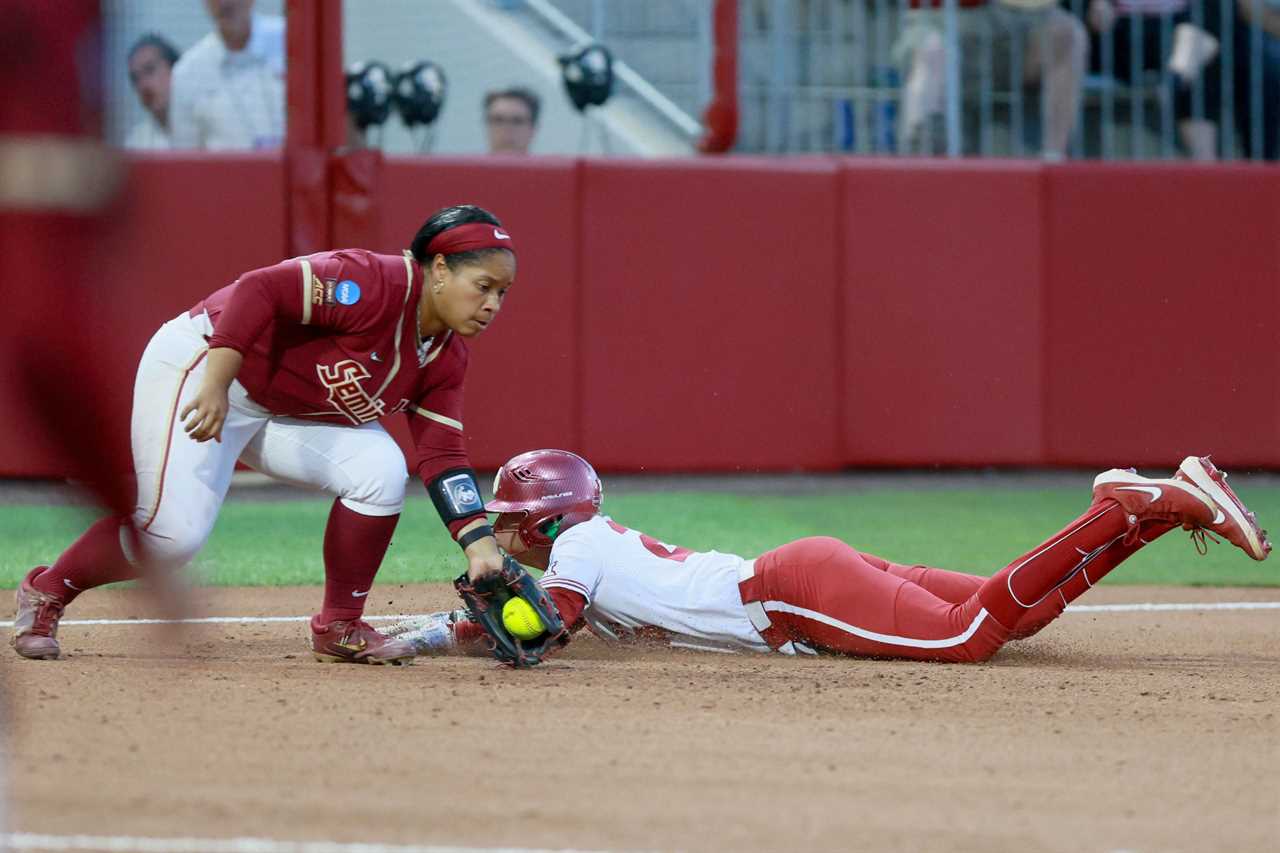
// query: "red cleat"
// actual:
[[356, 641], [1144, 499], [1232, 520], [35, 627]]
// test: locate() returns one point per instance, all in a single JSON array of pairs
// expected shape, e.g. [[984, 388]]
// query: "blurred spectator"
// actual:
[[1194, 50], [150, 63], [511, 119], [1052, 42], [228, 89], [1131, 23]]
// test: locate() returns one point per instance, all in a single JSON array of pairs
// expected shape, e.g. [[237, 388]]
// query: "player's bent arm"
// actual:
[[286, 293], [570, 606], [435, 423], [204, 416]]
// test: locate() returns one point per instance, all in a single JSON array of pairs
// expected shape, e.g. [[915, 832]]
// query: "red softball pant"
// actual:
[[825, 594]]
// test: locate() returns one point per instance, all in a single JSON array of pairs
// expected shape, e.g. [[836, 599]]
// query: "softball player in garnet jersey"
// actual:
[[819, 594], [289, 369]]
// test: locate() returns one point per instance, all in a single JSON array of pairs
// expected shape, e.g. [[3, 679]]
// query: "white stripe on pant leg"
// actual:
[[887, 639], [1047, 546], [171, 362]]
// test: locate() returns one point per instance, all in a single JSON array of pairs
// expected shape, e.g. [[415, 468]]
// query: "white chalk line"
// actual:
[[127, 844], [1173, 607], [1165, 607], [214, 620]]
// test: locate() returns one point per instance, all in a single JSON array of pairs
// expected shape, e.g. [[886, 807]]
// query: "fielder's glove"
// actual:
[[484, 600]]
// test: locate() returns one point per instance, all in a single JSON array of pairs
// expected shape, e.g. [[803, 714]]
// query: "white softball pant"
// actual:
[[182, 483]]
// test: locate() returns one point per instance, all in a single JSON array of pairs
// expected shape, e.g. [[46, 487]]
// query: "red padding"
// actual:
[[710, 303], [1163, 293], [941, 341]]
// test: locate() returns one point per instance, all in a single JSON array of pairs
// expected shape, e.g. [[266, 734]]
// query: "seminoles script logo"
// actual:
[[346, 394]]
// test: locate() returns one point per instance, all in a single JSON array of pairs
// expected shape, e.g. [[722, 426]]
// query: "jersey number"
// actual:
[[654, 547]]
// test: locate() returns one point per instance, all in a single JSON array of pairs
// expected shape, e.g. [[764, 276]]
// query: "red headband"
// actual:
[[470, 238]]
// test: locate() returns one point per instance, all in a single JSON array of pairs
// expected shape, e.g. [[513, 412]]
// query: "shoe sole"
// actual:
[[1117, 475], [52, 654], [1226, 502], [405, 661], [45, 656]]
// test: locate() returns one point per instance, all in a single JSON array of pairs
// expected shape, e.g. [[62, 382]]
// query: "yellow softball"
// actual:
[[521, 619]]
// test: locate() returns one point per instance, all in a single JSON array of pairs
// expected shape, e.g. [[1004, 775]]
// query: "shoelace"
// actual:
[[1198, 536], [48, 610]]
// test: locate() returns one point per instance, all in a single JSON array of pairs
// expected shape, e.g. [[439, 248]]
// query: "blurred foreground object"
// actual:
[[57, 184]]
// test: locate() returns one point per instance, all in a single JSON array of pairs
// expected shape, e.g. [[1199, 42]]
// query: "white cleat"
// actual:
[[1146, 499], [1232, 519]]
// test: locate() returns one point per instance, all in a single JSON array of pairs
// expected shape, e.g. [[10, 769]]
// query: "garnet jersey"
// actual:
[[334, 336], [634, 584]]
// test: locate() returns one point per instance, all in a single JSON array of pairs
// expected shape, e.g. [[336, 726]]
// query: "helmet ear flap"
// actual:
[[531, 531]]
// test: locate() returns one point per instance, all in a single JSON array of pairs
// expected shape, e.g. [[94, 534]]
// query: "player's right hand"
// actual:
[[208, 412]]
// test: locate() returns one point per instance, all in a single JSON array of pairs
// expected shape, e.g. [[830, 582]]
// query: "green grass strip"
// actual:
[[975, 530]]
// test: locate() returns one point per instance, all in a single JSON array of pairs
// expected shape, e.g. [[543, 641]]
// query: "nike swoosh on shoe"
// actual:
[[1153, 491]]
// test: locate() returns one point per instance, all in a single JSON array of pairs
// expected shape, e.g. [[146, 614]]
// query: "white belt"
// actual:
[[760, 617]]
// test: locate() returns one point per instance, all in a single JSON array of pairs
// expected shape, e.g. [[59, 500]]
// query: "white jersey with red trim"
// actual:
[[635, 584]]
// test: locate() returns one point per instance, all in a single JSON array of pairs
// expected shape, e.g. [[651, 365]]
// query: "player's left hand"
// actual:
[[483, 559], [483, 566], [208, 412]]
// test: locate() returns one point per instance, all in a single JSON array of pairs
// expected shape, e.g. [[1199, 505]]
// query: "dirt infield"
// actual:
[[1109, 731]]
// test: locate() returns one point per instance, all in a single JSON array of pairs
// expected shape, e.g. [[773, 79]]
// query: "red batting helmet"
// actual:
[[546, 484]]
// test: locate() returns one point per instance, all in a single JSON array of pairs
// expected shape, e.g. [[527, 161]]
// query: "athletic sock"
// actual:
[[1056, 563], [354, 545], [94, 559], [1088, 577]]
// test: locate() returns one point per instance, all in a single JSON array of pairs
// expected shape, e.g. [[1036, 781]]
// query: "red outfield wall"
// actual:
[[743, 314]]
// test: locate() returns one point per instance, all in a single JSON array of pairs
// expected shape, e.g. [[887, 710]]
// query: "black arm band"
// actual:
[[456, 495], [472, 535]]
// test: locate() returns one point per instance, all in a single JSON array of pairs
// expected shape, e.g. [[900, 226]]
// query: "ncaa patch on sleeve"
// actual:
[[347, 292], [463, 497]]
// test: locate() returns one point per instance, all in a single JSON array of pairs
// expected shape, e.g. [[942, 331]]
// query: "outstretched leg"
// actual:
[[957, 587], [947, 584], [365, 469], [1231, 519], [822, 592]]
